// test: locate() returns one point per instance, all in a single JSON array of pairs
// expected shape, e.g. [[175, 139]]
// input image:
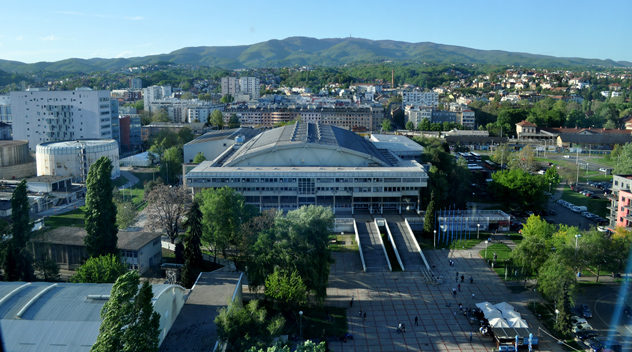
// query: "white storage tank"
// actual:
[[74, 158]]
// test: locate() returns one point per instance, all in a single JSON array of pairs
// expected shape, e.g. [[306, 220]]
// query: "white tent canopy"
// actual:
[[517, 323], [504, 307], [498, 323], [491, 313], [510, 314], [484, 304]]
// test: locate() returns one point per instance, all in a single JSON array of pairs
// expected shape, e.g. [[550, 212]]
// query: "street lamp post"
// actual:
[[435, 239], [534, 300], [557, 312], [576, 246], [301, 323], [478, 231]]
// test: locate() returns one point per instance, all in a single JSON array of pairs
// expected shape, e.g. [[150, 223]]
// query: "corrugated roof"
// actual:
[[248, 133], [61, 319], [596, 138], [307, 133]]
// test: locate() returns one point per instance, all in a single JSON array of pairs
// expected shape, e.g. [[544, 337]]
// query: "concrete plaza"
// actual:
[[390, 298]]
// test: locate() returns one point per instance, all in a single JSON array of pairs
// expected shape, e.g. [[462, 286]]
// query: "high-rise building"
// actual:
[[230, 85], [135, 83], [153, 93], [5, 108], [41, 116], [420, 98], [250, 86]]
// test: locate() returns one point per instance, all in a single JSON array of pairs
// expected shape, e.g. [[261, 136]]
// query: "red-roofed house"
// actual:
[[524, 127]]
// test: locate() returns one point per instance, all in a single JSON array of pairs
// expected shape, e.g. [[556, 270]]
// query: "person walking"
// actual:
[[416, 321], [351, 302], [454, 292], [462, 278], [399, 328], [403, 327], [470, 336], [364, 317], [360, 313], [472, 296], [459, 286], [471, 280]]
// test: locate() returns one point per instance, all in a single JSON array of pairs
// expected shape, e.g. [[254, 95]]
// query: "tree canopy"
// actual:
[[166, 208], [17, 261], [241, 328], [101, 238], [129, 322], [98, 270]]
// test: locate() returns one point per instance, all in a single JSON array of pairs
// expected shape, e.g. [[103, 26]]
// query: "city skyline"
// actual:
[[72, 29]]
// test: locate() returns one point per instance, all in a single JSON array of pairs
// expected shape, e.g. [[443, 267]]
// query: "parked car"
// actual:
[[586, 312], [582, 327], [575, 320], [567, 156], [586, 334]]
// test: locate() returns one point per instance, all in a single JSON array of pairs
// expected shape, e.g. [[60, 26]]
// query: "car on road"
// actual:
[[586, 312], [567, 156], [602, 229], [603, 169]]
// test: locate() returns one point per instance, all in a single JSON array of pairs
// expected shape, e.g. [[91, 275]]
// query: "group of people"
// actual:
[[401, 327]]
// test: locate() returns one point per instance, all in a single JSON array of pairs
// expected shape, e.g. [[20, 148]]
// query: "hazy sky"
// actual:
[[48, 30]]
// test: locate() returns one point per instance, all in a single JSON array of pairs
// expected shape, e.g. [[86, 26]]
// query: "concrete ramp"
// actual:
[[371, 246], [406, 247]]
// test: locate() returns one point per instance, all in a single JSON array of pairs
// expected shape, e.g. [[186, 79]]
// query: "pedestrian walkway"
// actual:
[[371, 247], [411, 258], [390, 298]]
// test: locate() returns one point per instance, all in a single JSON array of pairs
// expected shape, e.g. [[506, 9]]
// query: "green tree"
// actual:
[[216, 119], [554, 277], [199, 157], [192, 252], [429, 218], [126, 214], [386, 125], [516, 186], [99, 270], [241, 328], [160, 116], [552, 177], [227, 99], [171, 165], [306, 346], [292, 244], [225, 211], [624, 160], [187, 96], [17, 260], [129, 322], [410, 126], [47, 267], [524, 159], [233, 121], [287, 288], [101, 226]]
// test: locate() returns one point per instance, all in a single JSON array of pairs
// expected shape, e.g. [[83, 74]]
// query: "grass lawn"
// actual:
[[515, 237], [343, 243], [119, 181], [503, 258], [610, 163], [317, 322], [72, 218], [595, 206], [428, 242]]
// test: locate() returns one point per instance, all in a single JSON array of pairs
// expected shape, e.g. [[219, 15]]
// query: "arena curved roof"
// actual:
[[312, 135]]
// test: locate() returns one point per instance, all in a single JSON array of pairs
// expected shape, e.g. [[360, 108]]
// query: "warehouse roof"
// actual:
[[73, 236], [62, 316], [226, 134]]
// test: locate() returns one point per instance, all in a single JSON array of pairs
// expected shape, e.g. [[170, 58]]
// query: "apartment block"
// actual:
[[41, 116]]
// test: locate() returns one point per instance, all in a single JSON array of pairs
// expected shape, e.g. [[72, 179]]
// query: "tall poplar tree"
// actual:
[[192, 251], [100, 210], [429, 219], [17, 261]]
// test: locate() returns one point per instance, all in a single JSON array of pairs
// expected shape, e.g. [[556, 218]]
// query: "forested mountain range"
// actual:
[[303, 51]]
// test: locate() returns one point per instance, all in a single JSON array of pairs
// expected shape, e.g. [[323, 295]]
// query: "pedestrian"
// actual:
[[460, 307], [470, 336], [454, 292], [459, 286], [472, 296], [364, 318], [399, 328], [457, 279], [403, 327], [471, 280], [454, 313], [351, 302], [462, 278], [457, 275], [416, 321], [360, 313]]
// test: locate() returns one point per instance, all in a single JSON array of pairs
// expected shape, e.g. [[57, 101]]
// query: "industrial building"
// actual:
[[74, 158], [15, 160], [315, 164], [43, 316]]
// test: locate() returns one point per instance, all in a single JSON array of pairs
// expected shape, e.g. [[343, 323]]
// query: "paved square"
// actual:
[[397, 297]]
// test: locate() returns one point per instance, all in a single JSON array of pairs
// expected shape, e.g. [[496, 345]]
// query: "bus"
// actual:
[[490, 165], [476, 157]]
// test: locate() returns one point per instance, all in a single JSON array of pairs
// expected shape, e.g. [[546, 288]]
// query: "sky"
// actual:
[[37, 30]]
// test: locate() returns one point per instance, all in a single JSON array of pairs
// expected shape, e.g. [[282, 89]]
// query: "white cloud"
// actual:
[[19, 37], [49, 38], [126, 53]]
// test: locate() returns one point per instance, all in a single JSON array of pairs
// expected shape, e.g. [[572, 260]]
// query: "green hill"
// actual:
[[312, 51]]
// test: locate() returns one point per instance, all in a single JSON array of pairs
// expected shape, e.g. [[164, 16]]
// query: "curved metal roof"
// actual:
[[300, 134]]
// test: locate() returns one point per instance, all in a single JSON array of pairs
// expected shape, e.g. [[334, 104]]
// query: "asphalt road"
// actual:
[[604, 303]]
